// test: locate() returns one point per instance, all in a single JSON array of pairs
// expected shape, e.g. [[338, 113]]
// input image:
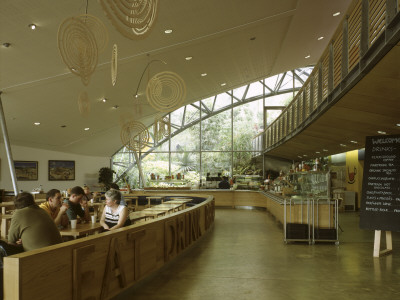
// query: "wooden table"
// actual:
[[6, 205], [82, 229], [139, 215], [154, 212], [130, 199], [5, 225], [170, 206], [155, 198], [182, 201]]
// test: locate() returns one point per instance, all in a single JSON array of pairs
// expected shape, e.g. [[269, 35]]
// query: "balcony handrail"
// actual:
[[360, 28]]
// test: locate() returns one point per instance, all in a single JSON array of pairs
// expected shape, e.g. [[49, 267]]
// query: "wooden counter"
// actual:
[[274, 203]]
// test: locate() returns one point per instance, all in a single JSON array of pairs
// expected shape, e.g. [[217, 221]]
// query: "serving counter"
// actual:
[[314, 213]]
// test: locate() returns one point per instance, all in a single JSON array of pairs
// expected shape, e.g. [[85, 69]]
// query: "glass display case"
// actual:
[[310, 183], [168, 184], [247, 182]]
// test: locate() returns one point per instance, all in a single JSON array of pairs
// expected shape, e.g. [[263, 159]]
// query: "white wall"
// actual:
[[86, 168]]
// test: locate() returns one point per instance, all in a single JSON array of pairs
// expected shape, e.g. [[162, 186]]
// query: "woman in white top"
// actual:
[[114, 214]]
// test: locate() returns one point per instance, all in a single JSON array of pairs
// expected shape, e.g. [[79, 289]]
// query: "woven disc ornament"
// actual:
[[98, 29], [166, 91], [134, 136], [78, 48], [114, 64], [84, 104], [132, 18]]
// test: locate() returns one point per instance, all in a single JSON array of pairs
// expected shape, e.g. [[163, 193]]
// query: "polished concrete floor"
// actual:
[[244, 257]]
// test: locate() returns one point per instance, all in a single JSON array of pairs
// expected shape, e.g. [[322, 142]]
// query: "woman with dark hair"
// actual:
[[114, 214]]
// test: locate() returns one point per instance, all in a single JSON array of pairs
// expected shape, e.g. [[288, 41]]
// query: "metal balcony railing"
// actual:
[[360, 29]]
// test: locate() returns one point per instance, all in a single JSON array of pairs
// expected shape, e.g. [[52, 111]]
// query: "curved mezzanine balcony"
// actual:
[[353, 91]]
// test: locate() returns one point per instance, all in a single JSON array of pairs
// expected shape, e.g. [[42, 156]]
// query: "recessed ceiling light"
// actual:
[[87, 128], [343, 145], [223, 84], [336, 14], [203, 74], [6, 45], [354, 142], [325, 150], [299, 156], [320, 38], [381, 132], [168, 31], [37, 123], [317, 152], [188, 57], [398, 125], [104, 100], [304, 155], [308, 56], [32, 26]]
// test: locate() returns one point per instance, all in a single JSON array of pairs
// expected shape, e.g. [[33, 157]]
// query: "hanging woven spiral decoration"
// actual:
[[166, 91], [134, 136], [78, 48], [98, 29], [114, 64], [132, 18], [84, 103]]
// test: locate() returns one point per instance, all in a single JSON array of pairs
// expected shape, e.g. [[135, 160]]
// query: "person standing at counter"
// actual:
[[224, 184], [77, 207]]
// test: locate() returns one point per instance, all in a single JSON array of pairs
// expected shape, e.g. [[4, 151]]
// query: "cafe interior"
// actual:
[[82, 80]]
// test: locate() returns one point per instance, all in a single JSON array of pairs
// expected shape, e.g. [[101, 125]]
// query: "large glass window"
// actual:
[[218, 134], [247, 123]]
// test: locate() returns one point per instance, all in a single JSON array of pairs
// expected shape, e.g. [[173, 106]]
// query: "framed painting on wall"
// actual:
[[26, 170], [61, 170]]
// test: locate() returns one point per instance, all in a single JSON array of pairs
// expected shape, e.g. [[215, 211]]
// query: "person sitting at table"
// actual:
[[55, 208], [31, 226], [116, 187], [114, 214], [89, 196], [224, 184], [77, 207]]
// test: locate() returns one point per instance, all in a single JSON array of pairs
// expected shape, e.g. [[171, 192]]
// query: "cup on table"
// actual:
[[73, 224], [93, 219]]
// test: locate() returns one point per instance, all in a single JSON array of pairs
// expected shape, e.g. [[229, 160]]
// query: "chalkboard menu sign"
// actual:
[[380, 201]]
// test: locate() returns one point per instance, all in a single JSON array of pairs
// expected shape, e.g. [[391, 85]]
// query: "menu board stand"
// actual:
[[380, 200], [377, 244]]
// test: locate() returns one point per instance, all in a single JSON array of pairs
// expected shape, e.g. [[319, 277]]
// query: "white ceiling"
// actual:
[[38, 87]]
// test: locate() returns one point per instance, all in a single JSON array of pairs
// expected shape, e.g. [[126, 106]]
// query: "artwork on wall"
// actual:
[[61, 170], [26, 170]]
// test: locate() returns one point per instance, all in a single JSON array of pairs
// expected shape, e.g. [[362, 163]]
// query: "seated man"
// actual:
[[224, 184], [77, 207], [31, 225], [55, 208]]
